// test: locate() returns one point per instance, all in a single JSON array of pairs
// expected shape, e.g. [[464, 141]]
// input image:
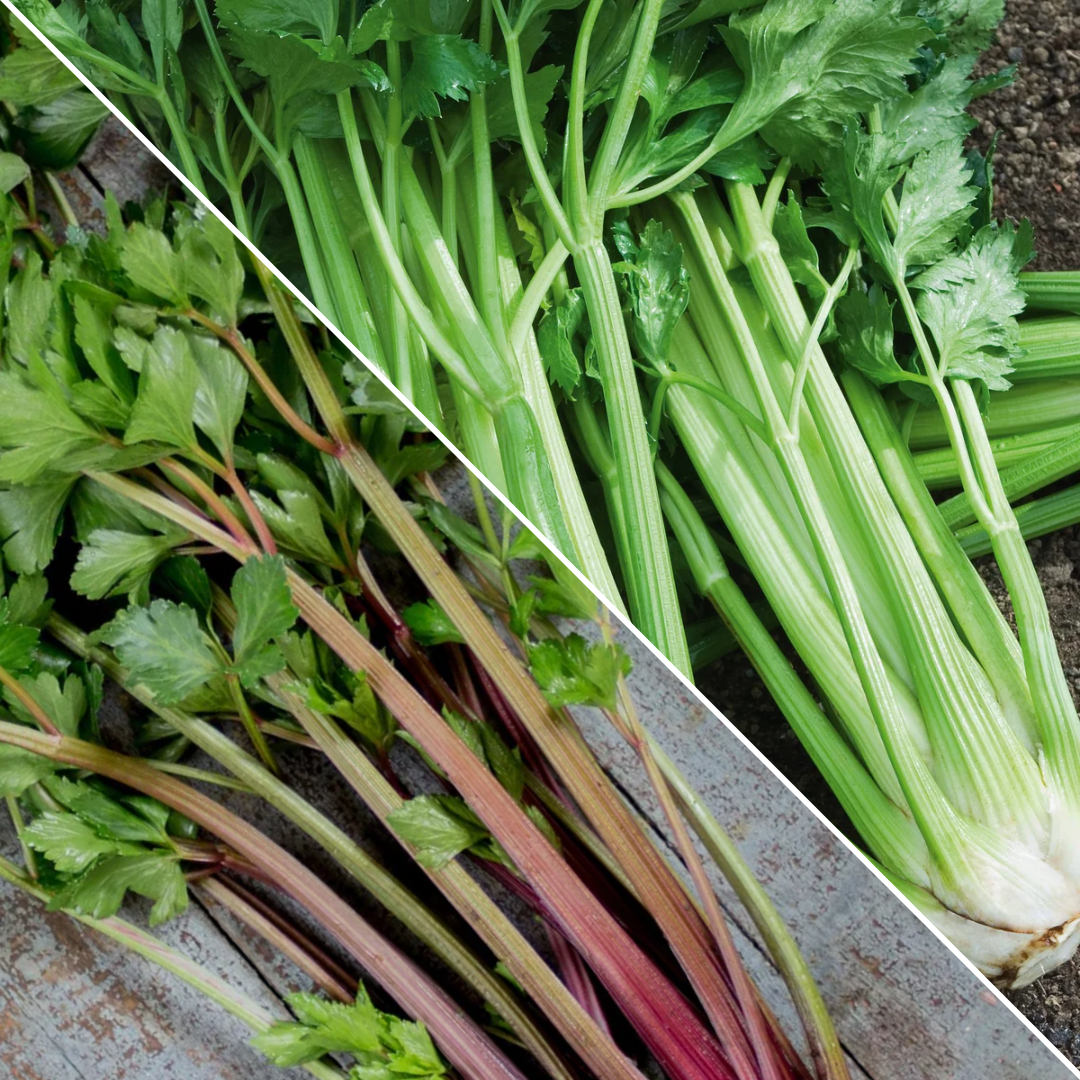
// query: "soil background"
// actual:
[[1037, 175]]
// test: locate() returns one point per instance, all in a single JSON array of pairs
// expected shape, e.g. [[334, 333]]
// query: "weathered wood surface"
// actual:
[[74, 1005]]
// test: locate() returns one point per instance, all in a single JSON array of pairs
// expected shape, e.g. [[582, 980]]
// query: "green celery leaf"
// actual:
[[800, 255], [865, 321], [657, 284], [108, 815], [265, 611], [578, 672], [555, 340], [745, 162], [936, 203], [28, 600], [465, 536], [112, 563], [415, 458], [521, 613], [933, 112], [114, 36], [402, 20], [540, 86], [164, 647], [64, 705], [430, 625], [503, 761], [32, 74], [564, 594], [857, 186], [369, 395], [324, 1027], [297, 525], [282, 475], [968, 24], [30, 523], [296, 67], [29, 303], [220, 393], [440, 827], [444, 66], [17, 643], [163, 24], [363, 712], [97, 403], [100, 892], [212, 268], [13, 171], [282, 16], [185, 579], [55, 134], [149, 260], [38, 429], [812, 65], [20, 769], [168, 386], [970, 302], [68, 842]]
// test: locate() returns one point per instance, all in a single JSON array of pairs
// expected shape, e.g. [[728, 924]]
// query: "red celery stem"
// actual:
[[287, 938], [666, 1021]]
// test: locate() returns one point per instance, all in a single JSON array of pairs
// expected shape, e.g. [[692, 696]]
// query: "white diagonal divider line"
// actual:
[[496, 494]]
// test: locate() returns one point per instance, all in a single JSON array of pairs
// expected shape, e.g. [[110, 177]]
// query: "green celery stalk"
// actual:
[[351, 298], [939, 469], [1036, 518], [881, 823], [974, 747], [992, 641], [1057, 461], [1032, 405], [1053, 290], [1051, 348], [649, 578]]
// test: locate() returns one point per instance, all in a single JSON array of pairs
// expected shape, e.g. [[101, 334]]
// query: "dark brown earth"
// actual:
[[1037, 175], [1037, 122]]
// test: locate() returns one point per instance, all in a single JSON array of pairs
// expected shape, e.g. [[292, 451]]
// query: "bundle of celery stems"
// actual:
[[196, 514], [715, 293]]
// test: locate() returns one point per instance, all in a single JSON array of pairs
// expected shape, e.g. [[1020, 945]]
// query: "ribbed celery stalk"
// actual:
[[1032, 405], [966, 804], [939, 470], [1052, 290], [1051, 349], [1035, 518], [649, 578]]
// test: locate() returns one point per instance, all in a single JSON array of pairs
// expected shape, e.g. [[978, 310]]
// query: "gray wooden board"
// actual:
[[74, 1005]]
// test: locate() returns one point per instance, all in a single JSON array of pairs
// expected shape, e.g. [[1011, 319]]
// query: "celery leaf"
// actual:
[[163, 647], [577, 672], [970, 301], [430, 625], [168, 386], [440, 827], [30, 522], [112, 563], [265, 611], [444, 66]]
